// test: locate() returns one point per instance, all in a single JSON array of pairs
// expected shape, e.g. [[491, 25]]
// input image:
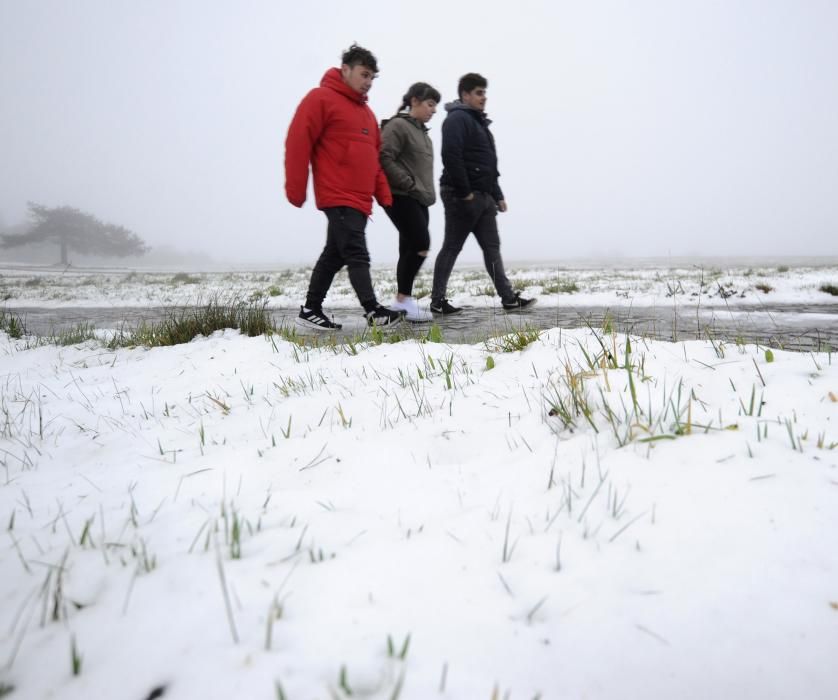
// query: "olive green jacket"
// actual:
[[407, 157]]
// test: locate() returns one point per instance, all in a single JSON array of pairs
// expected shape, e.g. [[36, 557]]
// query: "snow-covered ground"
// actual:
[[652, 284], [245, 518]]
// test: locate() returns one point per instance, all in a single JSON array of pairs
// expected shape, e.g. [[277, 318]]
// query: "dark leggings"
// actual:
[[411, 219]]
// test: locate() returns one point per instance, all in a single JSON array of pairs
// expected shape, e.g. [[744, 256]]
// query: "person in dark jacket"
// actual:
[[471, 194], [407, 157], [335, 132]]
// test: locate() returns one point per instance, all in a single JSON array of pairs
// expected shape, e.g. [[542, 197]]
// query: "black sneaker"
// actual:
[[517, 303], [444, 307], [315, 318], [382, 316]]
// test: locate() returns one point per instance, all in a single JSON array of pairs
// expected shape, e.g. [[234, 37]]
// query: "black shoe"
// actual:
[[382, 316], [517, 303], [442, 306], [315, 318]]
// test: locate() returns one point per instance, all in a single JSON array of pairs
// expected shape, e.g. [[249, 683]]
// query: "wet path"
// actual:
[[797, 327]]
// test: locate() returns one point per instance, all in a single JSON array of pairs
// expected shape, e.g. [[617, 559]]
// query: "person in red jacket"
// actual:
[[336, 132]]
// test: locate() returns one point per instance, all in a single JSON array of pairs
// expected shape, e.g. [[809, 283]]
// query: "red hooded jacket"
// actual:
[[335, 131]]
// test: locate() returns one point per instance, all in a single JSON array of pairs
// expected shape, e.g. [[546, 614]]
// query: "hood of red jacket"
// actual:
[[334, 80]]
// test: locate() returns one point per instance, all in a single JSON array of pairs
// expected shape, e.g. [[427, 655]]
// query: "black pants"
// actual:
[[346, 244], [411, 219], [478, 216]]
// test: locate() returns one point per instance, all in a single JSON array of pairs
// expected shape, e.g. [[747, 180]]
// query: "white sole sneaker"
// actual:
[[384, 325], [313, 326], [412, 312]]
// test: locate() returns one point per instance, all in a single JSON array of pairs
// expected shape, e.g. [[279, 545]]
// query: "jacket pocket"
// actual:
[[360, 166], [424, 197]]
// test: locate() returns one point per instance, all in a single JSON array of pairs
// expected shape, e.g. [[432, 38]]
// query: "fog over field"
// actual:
[[623, 129]]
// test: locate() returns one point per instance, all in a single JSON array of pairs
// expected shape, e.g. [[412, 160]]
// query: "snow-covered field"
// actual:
[[245, 518], [709, 283]]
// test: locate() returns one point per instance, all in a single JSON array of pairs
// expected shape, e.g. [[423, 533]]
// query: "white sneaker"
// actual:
[[411, 309]]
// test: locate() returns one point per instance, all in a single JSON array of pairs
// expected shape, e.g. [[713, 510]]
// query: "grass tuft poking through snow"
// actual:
[[398, 517], [187, 323]]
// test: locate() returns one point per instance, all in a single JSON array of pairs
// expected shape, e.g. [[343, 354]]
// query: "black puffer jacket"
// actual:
[[469, 159]]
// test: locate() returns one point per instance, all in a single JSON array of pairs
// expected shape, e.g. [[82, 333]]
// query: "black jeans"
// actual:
[[346, 244], [411, 219], [478, 216]]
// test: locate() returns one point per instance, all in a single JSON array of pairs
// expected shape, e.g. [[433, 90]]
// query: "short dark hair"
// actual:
[[359, 56], [470, 81], [422, 92]]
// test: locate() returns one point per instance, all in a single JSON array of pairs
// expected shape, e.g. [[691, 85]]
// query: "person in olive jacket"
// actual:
[[407, 157], [336, 133], [471, 194]]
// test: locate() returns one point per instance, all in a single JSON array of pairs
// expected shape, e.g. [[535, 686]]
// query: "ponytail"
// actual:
[[405, 103], [421, 91]]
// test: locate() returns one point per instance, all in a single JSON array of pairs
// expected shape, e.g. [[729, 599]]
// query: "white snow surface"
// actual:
[[678, 542], [710, 284]]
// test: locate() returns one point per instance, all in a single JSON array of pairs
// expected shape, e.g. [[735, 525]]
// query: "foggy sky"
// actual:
[[656, 127]]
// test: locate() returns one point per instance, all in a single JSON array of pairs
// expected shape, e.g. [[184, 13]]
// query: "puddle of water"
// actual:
[[795, 327]]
